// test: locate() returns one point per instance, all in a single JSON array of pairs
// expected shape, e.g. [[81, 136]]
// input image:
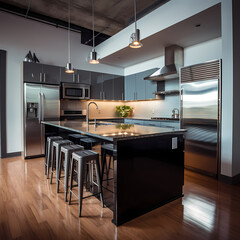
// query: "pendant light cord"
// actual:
[[69, 54], [135, 13], [93, 24]]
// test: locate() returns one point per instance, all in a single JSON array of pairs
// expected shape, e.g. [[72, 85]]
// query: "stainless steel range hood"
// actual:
[[173, 61]]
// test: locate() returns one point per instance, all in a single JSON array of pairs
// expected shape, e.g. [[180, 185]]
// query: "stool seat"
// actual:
[[76, 137], [88, 142], [67, 151], [109, 147], [48, 152], [84, 157]]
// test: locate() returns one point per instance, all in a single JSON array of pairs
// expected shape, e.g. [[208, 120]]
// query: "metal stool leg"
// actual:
[[80, 185], [71, 180], [66, 175], [99, 181], [54, 155], [59, 163]]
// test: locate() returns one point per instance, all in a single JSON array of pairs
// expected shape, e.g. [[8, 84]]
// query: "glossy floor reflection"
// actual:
[[31, 209]]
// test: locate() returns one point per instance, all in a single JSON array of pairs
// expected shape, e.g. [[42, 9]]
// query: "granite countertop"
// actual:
[[139, 118], [112, 131]]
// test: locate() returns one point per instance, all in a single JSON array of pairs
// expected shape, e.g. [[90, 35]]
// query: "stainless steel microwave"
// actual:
[[75, 91]]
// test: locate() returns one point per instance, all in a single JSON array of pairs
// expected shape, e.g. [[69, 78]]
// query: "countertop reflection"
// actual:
[[112, 131]]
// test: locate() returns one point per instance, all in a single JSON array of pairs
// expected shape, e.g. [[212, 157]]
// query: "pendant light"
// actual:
[[69, 67], [93, 54], [135, 37]]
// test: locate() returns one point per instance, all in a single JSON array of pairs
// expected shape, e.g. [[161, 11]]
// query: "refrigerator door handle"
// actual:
[[42, 106]]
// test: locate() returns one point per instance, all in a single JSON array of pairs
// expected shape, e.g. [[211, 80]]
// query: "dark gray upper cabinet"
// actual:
[[66, 77], [51, 74], [83, 76], [136, 88], [130, 93], [140, 86], [96, 85], [118, 86], [41, 73], [32, 72], [107, 90]]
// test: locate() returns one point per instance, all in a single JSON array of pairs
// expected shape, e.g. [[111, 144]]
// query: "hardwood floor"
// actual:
[[31, 209]]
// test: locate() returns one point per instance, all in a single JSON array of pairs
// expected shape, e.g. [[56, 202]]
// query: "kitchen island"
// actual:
[[149, 170]]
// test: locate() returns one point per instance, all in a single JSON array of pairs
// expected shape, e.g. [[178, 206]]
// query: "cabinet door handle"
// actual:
[[103, 95], [73, 77], [40, 77], [44, 77], [78, 78], [100, 95]]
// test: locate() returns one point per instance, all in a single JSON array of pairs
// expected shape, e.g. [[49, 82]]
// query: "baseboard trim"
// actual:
[[230, 180], [13, 154]]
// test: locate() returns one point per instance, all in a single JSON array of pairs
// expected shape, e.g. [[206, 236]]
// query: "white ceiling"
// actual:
[[184, 34]]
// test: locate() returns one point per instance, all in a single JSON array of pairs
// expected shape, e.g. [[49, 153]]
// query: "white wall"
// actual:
[[18, 36], [203, 52], [161, 18]]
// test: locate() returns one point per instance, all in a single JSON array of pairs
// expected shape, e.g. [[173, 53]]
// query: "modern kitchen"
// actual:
[[119, 126]]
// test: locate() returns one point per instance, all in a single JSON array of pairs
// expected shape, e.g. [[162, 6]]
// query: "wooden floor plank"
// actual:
[[30, 208]]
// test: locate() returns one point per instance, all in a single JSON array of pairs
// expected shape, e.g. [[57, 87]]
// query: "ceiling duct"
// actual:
[[173, 61]]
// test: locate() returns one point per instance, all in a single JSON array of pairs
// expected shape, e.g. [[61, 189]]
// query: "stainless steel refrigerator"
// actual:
[[200, 115], [41, 102]]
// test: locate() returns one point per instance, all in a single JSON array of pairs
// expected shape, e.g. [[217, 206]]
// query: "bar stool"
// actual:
[[56, 145], [84, 157], [76, 138], [48, 152], [107, 149], [65, 155], [88, 142]]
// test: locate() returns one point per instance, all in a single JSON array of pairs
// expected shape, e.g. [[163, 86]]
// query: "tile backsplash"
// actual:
[[145, 109]]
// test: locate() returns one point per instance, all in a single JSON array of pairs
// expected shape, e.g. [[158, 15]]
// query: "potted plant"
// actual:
[[124, 110]]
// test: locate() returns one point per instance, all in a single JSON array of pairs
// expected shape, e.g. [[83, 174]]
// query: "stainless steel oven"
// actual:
[[75, 91]]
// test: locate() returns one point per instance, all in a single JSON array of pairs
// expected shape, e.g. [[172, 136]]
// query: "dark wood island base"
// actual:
[[148, 172]]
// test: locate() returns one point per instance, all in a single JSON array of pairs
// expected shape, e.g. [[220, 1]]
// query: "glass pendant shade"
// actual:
[[69, 68], [135, 40]]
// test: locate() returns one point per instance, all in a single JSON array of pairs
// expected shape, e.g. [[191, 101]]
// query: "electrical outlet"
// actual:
[[99, 111]]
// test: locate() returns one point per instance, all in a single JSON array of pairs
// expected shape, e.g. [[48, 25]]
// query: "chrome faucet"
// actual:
[[87, 117], [175, 113]]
